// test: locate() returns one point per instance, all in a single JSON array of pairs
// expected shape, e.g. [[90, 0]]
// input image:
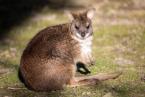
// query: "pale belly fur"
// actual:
[[85, 51]]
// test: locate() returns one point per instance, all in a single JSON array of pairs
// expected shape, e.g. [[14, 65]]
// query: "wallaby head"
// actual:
[[81, 25]]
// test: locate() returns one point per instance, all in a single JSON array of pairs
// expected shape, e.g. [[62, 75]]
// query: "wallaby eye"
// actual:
[[88, 26], [77, 27]]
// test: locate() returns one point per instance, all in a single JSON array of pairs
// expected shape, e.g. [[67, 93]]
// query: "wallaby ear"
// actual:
[[71, 15], [90, 13]]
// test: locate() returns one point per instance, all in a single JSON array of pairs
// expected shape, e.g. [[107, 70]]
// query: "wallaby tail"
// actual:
[[92, 80], [107, 76]]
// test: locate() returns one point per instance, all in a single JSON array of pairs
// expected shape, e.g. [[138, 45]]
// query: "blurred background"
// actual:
[[119, 43]]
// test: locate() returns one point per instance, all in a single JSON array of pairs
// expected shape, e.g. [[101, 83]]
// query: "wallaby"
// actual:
[[49, 60]]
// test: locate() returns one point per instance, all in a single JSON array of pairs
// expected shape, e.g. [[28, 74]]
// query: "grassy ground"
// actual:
[[119, 44]]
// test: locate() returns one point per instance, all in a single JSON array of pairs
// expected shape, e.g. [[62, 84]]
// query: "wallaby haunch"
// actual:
[[49, 60]]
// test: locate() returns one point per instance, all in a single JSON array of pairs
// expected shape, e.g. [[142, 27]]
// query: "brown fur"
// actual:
[[48, 60], [48, 64]]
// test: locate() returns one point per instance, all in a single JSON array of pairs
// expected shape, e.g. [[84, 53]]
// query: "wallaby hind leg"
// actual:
[[92, 80]]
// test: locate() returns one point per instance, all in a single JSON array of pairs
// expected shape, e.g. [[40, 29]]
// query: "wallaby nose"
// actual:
[[83, 34]]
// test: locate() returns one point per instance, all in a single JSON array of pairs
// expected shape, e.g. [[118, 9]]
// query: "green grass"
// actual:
[[110, 42]]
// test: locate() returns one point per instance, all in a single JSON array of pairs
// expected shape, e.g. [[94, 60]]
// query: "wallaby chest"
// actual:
[[85, 50], [86, 47]]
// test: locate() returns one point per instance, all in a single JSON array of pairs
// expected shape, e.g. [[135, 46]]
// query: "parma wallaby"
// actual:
[[49, 60]]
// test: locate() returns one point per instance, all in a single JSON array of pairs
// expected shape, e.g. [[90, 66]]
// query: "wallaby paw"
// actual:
[[92, 62]]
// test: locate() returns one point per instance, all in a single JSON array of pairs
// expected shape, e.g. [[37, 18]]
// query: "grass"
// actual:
[[115, 47]]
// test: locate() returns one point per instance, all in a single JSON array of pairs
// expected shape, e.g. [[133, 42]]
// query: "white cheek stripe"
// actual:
[[78, 35]]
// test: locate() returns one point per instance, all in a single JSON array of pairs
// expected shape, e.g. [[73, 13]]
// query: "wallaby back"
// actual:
[[47, 61]]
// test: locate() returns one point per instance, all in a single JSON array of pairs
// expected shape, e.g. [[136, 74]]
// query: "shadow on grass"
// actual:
[[14, 12], [19, 91]]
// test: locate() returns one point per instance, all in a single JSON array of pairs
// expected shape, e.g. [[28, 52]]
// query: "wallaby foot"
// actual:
[[92, 80]]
